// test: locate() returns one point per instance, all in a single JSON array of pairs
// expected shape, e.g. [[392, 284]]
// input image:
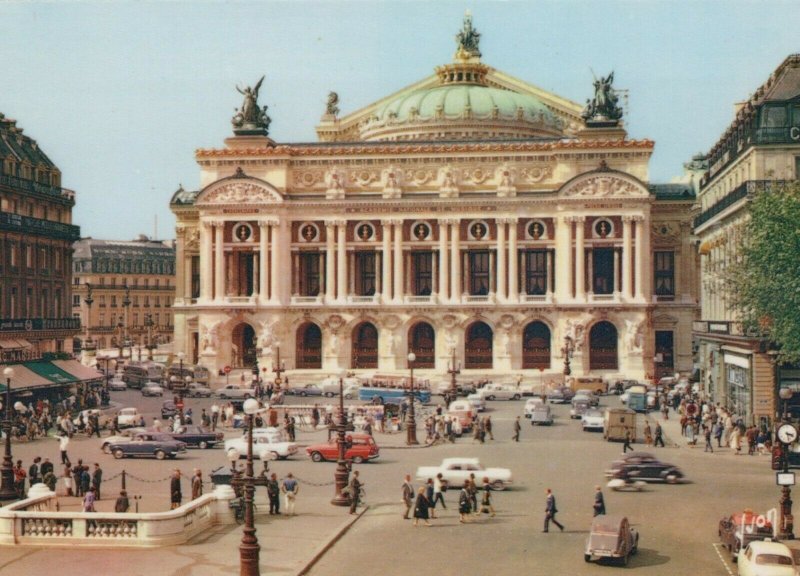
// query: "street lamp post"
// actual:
[[786, 432], [411, 425], [453, 370], [566, 351], [249, 548], [148, 322], [89, 343], [279, 368], [126, 303], [182, 381], [342, 474], [7, 491]]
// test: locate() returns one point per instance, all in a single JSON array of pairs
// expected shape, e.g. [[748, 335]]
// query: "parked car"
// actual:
[[761, 558], [593, 419], [644, 467], [307, 390], [168, 409], [561, 395], [117, 385], [462, 410], [611, 537], [127, 417], [148, 445], [360, 448], [738, 530], [530, 403], [351, 391], [234, 391], [330, 386], [195, 390], [477, 402], [594, 399], [152, 389], [268, 444], [499, 392], [541, 414], [122, 437], [196, 437], [580, 405], [455, 470]]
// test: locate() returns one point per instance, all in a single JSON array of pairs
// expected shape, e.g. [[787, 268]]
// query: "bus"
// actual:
[[137, 374], [637, 398], [198, 374], [391, 395]]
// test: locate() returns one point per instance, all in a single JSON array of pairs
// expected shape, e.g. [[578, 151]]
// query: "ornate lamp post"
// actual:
[[785, 479], [566, 351], [179, 404], [89, 343], [249, 547], [453, 370], [411, 425], [279, 368], [7, 491], [148, 322], [342, 474]]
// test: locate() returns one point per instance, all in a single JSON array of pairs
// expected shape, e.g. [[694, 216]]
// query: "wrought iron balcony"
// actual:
[[742, 191], [18, 223], [32, 186]]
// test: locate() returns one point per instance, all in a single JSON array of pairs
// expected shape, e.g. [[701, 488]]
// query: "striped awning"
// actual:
[[45, 374], [14, 344]]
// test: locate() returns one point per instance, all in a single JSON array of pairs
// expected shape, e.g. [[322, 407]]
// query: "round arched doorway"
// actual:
[[421, 341], [365, 346], [536, 346], [308, 346], [243, 346], [603, 347], [478, 346]]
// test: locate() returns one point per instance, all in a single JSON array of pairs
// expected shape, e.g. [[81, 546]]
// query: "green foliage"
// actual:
[[763, 285], [56, 356]]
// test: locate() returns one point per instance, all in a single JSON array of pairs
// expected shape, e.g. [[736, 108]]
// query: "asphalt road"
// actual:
[[678, 523]]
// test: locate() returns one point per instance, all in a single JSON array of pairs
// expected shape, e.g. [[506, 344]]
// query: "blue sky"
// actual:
[[120, 94]]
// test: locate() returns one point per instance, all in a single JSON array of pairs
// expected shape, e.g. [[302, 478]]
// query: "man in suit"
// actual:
[[408, 495], [599, 503], [550, 512]]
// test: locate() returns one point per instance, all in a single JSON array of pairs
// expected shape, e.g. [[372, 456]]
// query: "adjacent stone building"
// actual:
[[470, 213]]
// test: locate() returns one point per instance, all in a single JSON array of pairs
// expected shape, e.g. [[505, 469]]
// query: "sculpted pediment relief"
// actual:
[[239, 192], [604, 185]]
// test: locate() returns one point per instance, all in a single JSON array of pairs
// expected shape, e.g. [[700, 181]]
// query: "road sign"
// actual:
[[227, 369], [179, 405]]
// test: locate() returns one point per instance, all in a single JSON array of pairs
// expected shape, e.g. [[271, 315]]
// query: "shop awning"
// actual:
[[14, 344], [44, 374]]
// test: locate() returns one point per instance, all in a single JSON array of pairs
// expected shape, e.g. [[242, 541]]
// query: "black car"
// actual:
[[168, 409], [197, 437], [644, 467]]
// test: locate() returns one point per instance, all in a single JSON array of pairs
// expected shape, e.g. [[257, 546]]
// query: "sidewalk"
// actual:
[[289, 545]]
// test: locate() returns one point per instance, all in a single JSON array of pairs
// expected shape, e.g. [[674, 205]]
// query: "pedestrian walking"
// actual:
[[63, 444], [464, 507], [488, 426], [19, 479], [86, 480], [197, 484], [648, 435], [628, 439], [718, 429], [355, 492], [517, 429], [77, 477], [599, 506], [486, 501], [659, 435], [274, 494], [438, 491], [290, 488], [707, 435], [122, 504], [47, 466], [68, 480], [33, 471], [408, 495], [429, 495], [88, 501], [473, 494], [97, 479], [421, 507], [175, 494], [550, 512]]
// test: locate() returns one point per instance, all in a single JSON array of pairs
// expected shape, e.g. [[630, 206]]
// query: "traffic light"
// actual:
[[777, 456]]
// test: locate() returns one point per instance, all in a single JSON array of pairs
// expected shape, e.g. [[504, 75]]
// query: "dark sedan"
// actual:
[[148, 445], [196, 437], [644, 467], [561, 395]]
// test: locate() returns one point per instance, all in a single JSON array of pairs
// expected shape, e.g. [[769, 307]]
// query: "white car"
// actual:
[[530, 405], [477, 402], [592, 420], [764, 558], [121, 438], [499, 392], [195, 390], [128, 417], [117, 385], [152, 389], [351, 391], [330, 386], [234, 391], [102, 419], [268, 444], [455, 470], [594, 399]]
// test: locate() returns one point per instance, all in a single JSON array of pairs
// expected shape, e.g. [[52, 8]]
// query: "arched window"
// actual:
[[422, 342], [308, 346], [536, 346], [478, 346], [365, 346], [603, 347]]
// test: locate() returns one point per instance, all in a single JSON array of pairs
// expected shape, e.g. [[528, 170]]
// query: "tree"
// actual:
[[763, 283]]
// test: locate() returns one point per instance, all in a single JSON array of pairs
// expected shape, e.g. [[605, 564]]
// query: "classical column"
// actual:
[[187, 277], [434, 273], [180, 260], [386, 262], [378, 268], [275, 264], [564, 258], [513, 258], [626, 257], [639, 268], [616, 271], [206, 261], [219, 260], [256, 275], [263, 260], [341, 260], [443, 287], [550, 279], [398, 260], [330, 282], [647, 259], [455, 261], [501, 258], [580, 259]]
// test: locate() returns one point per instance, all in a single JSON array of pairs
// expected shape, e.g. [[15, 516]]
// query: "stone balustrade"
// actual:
[[36, 521]]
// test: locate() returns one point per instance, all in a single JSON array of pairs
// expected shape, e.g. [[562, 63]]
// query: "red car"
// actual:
[[361, 448]]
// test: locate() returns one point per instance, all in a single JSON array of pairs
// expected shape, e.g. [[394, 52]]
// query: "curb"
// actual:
[[328, 545]]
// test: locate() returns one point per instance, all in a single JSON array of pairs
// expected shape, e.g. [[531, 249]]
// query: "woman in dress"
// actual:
[[421, 507]]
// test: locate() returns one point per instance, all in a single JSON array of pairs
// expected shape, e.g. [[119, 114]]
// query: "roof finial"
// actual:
[[468, 40]]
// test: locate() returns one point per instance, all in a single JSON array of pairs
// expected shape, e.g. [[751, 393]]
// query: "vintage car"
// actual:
[[738, 530], [541, 414], [592, 419], [168, 409], [500, 392], [124, 436], [530, 404], [462, 410], [478, 404], [645, 468], [152, 389], [360, 448], [102, 419], [611, 537], [195, 390], [148, 445], [594, 399], [234, 391], [268, 444], [580, 405], [762, 558], [455, 470], [561, 395], [306, 390], [196, 437], [117, 385]]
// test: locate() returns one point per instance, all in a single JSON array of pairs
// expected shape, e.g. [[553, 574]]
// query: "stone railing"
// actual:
[[36, 521]]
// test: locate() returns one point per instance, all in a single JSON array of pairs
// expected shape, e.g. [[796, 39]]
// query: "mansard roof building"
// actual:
[[469, 214]]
